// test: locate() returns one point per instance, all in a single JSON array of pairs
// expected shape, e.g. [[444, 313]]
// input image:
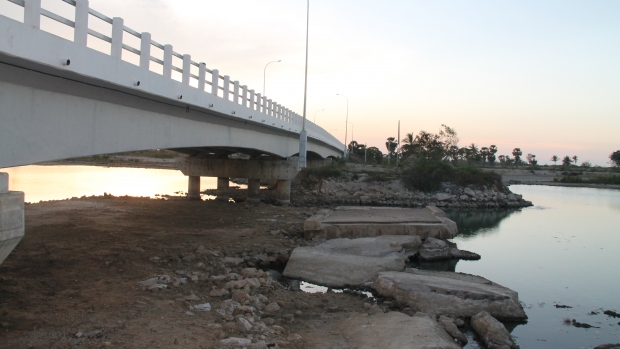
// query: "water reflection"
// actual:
[[442, 265], [472, 222]]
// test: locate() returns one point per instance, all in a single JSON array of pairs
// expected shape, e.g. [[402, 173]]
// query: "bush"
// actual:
[[332, 171], [427, 175], [471, 175]]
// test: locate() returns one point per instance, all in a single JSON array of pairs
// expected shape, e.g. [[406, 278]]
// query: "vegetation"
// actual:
[[615, 158], [332, 171], [428, 174]]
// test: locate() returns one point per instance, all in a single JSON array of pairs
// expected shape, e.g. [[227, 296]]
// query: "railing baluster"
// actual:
[[226, 95], [32, 13], [187, 63], [259, 103], [236, 92], [145, 51], [202, 71], [167, 61], [215, 81], [80, 34], [117, 38], [264, 104], [244, 95], [252, 105], [269, 108]]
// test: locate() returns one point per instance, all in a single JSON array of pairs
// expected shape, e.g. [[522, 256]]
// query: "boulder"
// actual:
[[492, 332], [395, 330], [469, 192], [434, 249], [346, 262], [443, 197], [450, 326], [452, 294]]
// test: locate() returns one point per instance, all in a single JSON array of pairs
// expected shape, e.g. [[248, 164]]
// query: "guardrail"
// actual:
[[231, 91]]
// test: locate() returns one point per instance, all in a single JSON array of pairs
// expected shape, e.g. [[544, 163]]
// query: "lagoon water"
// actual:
[[564, 250]]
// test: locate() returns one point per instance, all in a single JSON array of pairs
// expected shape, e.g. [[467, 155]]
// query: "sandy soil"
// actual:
[[72, 281]]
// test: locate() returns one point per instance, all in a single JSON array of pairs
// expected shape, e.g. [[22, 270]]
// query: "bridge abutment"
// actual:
[[11, 217], [284, 192]]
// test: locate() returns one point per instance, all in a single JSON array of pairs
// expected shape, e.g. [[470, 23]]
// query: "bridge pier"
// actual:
[[193, 190], [222, 189], [254, 169], [253, 190], [11, 217], [284, 192]]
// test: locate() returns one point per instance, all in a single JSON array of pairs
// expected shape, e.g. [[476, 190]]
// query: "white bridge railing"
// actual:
[[220, 86]]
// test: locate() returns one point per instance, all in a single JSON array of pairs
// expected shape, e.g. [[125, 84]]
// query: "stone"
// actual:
[[443, 197], [608, 346], [289, 318], [492, 332], [469, 192], [395, 330], [450, 327], [236, 342], [200, 307], [434, 249], [447, 293], [244, 325], [219, 292], [233, 261], [350, 262], [192, 297], [272, 308], [462, 254], [249, 272]]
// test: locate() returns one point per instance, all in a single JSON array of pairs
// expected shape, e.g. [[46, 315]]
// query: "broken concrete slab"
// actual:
[[359, 222], [452, 294], [493, 333], [346, 262], [395, 330]]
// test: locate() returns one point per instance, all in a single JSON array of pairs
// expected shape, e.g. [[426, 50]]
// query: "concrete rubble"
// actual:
[[359, 222], [395, 330], [451, 294], [345, 262], [492, 332]]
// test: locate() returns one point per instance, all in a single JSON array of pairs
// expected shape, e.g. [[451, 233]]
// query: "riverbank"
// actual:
[[546, 177]]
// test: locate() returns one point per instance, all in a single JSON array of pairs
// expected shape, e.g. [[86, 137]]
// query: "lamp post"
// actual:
[[346, 123], [352, 128], [315, 114], [303, 136], [265, 74]]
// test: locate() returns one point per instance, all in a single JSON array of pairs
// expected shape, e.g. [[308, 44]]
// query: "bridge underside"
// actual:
[[48, 117]]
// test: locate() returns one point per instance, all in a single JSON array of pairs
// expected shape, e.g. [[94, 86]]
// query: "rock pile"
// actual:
[[394, 193]]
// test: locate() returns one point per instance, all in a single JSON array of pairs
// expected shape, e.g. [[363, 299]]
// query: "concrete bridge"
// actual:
[[61, 99]]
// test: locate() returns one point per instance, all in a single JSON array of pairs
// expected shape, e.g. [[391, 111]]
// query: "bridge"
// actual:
[[61, 99]]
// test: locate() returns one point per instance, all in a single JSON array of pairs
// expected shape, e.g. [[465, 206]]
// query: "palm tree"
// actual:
[[491, 156], [409, 145], [574, 159], [484, 152], [555, 159], [516, 152], [566, 161]]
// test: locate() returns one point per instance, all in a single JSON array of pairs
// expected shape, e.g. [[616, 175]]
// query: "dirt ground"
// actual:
[[73, 280]]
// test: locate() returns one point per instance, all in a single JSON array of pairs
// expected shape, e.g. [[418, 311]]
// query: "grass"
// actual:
[[427, 175]]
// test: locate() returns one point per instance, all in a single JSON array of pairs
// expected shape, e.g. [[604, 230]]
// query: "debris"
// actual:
[[611, 313], [581, 324], [201, 307], [561, 306]]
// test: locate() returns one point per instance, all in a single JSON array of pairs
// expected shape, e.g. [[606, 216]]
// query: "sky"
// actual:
[[543, 76]]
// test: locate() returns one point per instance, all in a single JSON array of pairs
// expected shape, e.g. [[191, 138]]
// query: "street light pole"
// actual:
[[315, 114], [303, 136], [352, 128], [346, 123], [265, 74]]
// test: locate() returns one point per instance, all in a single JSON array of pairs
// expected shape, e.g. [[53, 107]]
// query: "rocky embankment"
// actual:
[[359, 190]]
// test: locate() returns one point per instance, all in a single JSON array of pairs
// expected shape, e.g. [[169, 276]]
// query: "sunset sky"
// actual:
[[540, 75]]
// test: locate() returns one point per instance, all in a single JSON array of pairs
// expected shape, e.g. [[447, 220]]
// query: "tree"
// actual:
[[374, 154], [453, 154], [509, 160], [391, 145], [586, 164], [574, 159], [566, 161], [491, 156], [502, 160], [408, 145], [555, 159], [484, 153], [615, 158], [448, 138], [516, 152], [531, 159]]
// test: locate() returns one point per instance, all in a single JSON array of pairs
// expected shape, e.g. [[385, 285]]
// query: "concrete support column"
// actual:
[[11, 217], [284, 192], [222, 189], [253, 190], [193, 188]]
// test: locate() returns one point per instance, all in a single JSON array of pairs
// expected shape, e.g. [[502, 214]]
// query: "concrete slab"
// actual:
[[360, 222]]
